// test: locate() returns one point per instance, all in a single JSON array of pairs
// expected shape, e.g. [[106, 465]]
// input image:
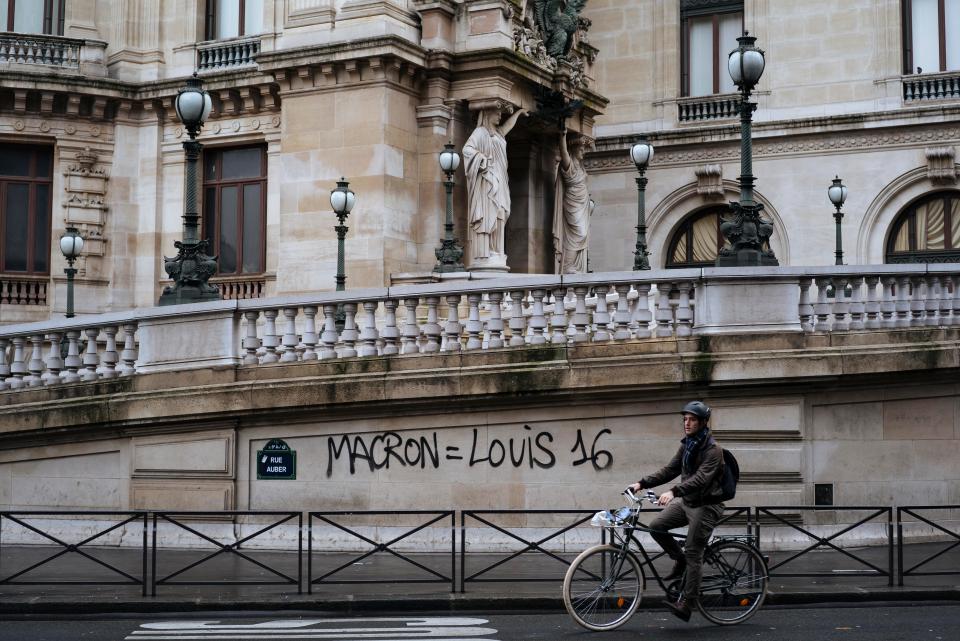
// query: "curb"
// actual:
[[353, 604]]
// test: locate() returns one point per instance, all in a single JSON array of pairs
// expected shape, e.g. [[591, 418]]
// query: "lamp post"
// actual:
[[641, 154], [450, 252], [70, 244], [342, 200], [837, 192], [192, 267], [747, 233]]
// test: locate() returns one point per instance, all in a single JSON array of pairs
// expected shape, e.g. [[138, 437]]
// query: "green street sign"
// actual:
[[276, 461]]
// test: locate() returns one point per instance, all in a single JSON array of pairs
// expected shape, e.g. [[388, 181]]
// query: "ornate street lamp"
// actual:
[[641, 154], [837, 192], [450, 252], [342, 200], [71, 243], [747, 233], [192, 267]]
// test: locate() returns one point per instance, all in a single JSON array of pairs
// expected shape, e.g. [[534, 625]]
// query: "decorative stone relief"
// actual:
[[709, 181], [85, 184], [941, 164], [554, 35]]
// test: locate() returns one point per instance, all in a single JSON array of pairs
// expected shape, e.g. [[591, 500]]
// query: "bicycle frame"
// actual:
[[623, 541]]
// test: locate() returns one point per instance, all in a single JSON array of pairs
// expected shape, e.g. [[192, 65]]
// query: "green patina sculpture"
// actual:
[[558, 21]]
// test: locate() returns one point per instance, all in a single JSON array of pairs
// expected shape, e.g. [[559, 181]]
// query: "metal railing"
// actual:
[[175, 518], [383, 546], [914, 570], [827, 541], [20, 518]]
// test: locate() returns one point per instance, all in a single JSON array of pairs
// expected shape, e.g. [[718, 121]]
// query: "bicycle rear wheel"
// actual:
[[603, 587], [734, 583]]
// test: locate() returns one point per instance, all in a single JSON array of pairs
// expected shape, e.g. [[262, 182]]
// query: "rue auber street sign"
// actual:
[[276, 461]]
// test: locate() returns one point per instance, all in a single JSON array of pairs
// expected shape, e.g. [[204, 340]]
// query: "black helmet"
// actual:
[[697, 408]]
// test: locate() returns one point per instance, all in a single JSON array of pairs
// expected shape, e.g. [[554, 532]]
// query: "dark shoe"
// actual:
[[680, 609], [679, 567]]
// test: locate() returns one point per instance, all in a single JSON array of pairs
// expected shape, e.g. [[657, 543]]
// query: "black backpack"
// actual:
[[729, 477]]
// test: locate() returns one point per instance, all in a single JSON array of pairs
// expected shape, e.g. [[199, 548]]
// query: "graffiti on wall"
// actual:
[[371, 452]]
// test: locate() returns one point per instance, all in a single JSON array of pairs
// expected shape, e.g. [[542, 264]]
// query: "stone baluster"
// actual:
[[495, 322], [368, 332], [872, 306], [580, 319], [453, 327], [821, 308], [128, 356], [684, 310], [54, 360], [390, 333], [310, 332], [36, 365], [4, 366], [856, 303], [621, 316], [805, 308], [642, 315], [664, 313], [328, 337], [903, 302], [348, 337], [474, 325], [888, 303], [601, 317], [250, 342], [72, 362], [538, 318], [270, 338], [955, 300], [841, 307], [18, 368], [917, 307], [558, 318], [517, 323], [432, 328], [411, 329], [945, 312], [932, 302], [290, 339], [109, 357], [91, 359]]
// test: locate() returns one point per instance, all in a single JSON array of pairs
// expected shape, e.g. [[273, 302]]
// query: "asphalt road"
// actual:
[[876, 622]]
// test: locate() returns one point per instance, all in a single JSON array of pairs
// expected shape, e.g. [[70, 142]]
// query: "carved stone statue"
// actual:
[[571, 210], [488, 188], [558, 20]]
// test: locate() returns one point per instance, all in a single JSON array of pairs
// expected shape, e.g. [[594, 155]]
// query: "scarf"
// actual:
[[690, 445]]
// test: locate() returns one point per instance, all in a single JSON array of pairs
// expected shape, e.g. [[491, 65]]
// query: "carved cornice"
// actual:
[[613, 153]]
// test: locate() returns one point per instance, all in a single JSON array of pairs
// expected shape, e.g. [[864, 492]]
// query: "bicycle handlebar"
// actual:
[[649, 496]]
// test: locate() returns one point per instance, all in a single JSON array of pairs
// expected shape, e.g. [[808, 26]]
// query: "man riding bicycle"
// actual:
[[699, 464]]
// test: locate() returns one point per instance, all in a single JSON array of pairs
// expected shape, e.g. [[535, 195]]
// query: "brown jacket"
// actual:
[[701, 484]]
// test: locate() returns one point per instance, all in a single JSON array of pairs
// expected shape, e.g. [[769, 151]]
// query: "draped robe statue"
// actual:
[[571, 211], [488, 188]]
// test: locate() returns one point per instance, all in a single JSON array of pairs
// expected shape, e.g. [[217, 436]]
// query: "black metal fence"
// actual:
[[238, 535]]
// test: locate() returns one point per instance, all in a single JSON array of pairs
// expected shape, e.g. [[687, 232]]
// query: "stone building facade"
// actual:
[[317, 89]]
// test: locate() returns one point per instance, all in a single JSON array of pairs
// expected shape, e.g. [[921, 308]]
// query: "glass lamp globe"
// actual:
[[641, 154], [342, 199], [449, 159], [746, 63], [71, 243], [837, 192]]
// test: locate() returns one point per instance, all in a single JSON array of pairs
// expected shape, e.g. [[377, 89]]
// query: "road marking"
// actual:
[[379, 628]]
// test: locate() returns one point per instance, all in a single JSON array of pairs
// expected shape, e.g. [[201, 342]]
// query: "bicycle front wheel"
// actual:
[[734, 583], [603, 587]]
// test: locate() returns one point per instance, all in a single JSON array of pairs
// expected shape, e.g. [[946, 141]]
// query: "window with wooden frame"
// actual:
[[709, 32], [697, 241], [233, 18], [26, 178], [931, 36], [32, 16], [235, 208], [928, 231]]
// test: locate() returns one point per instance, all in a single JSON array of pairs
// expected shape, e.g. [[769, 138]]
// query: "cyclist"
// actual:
[[699, 464]]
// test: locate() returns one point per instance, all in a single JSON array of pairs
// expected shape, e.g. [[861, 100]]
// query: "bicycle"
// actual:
[[733, 588]]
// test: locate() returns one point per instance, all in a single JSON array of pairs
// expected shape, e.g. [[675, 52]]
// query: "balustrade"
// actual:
[[931, 86], [520, 312], [222, 54], [31, 49]]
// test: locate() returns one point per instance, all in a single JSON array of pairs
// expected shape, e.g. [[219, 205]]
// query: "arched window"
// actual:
[[697, 240], [928, 231]]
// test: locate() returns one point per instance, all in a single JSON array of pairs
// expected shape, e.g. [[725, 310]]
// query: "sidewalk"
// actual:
[[511, 586]]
